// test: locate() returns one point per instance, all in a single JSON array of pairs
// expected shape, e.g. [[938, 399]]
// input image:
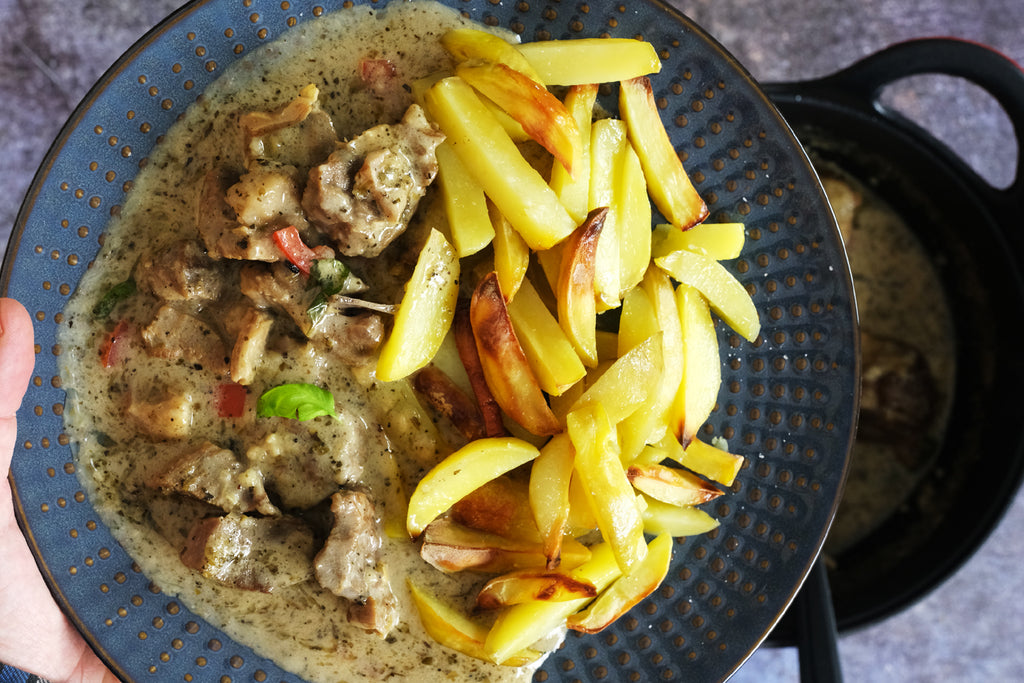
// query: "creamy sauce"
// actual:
[[900, 299], [302, 627]]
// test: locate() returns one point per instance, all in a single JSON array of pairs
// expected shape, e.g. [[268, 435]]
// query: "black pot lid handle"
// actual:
[[860, 85]]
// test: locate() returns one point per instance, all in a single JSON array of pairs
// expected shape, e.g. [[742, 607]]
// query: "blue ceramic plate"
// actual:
[[788, 402]]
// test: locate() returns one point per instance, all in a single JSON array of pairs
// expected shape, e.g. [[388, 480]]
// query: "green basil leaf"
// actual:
[[296, 401], [330, 274], [317, 309], [113, 296]]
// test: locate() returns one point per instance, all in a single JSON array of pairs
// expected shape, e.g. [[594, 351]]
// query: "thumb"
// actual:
[[17, 358]]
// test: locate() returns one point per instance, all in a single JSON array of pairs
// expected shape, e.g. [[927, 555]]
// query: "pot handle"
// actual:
[[981, 65]]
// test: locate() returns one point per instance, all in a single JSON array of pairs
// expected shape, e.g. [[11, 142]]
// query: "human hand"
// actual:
[[34, 634]]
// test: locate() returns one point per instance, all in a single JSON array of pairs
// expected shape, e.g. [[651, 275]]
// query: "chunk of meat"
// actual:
[[352, 337], [163, 414], [366, 191], [218, 226], [250, 345], [177, 335], [267, 196], [180, 271], [251, 553], [349, 566], [215, 475], [303, 463], [299, 133]]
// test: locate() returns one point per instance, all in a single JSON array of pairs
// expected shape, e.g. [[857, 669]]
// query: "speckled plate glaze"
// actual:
[[788, 402]]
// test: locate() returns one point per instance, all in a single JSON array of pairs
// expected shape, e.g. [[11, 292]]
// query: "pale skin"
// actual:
[[34, 634]]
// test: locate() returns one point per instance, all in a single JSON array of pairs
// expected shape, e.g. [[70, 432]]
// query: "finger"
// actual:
[[17, 355]]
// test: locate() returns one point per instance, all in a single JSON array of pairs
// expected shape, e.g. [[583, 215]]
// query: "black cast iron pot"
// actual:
[[972, 231]]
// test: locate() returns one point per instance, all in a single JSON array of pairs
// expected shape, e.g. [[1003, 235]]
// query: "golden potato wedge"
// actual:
[[667, 181], [581, 517], [702, 368], [454, 630], [531, 585], [550, 477], [633, 220], [726, 296], [464, 202], [628, 590], [637, 321], [468, 44], [577, 312], [612, 498], [465, 344], [511, 254], [508, 179], [608, 139], [462, 472], [542, 115], [448, 399], [505, 366], [574, 190], [590, 60], [676, 520], [520, 626], [671, 484], [720, 241], [551, 355], [452, 547], [425, 313], [501, 506], [626, 384], [709, 461]]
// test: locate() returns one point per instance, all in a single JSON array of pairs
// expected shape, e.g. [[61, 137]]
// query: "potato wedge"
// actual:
[[637, 321], [462, 472], [465, 344], [676, 520], [505, 365], [628, 590], [608, 140], [448, 399], [549, 351], [574, 190], [667, 180], [590, 60], [626, 384], [550, 478], [532, 585], [511, 254], [425, 313], [501, 506], [709, 461], [452, 547], [508, 179], [702, 367], [612, 499], [720, 241], [634, 220], [671, 484], [727, 297], [577, 312], [467, 44], [542, 115], [522, 625], [454, 630], [464, 202]]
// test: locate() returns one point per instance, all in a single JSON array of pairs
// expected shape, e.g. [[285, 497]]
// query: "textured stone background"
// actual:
[[970, 628]]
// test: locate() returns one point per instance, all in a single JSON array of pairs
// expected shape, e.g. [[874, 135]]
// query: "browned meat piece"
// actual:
[[214, 475], [220, 229], [177, 335], [303, 463], [267, 196], [297, 134], [180, 271], [250, 345], [366, 191], [349, 563], [352, 337], [251, 553], [162, 414], [898, 393]]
